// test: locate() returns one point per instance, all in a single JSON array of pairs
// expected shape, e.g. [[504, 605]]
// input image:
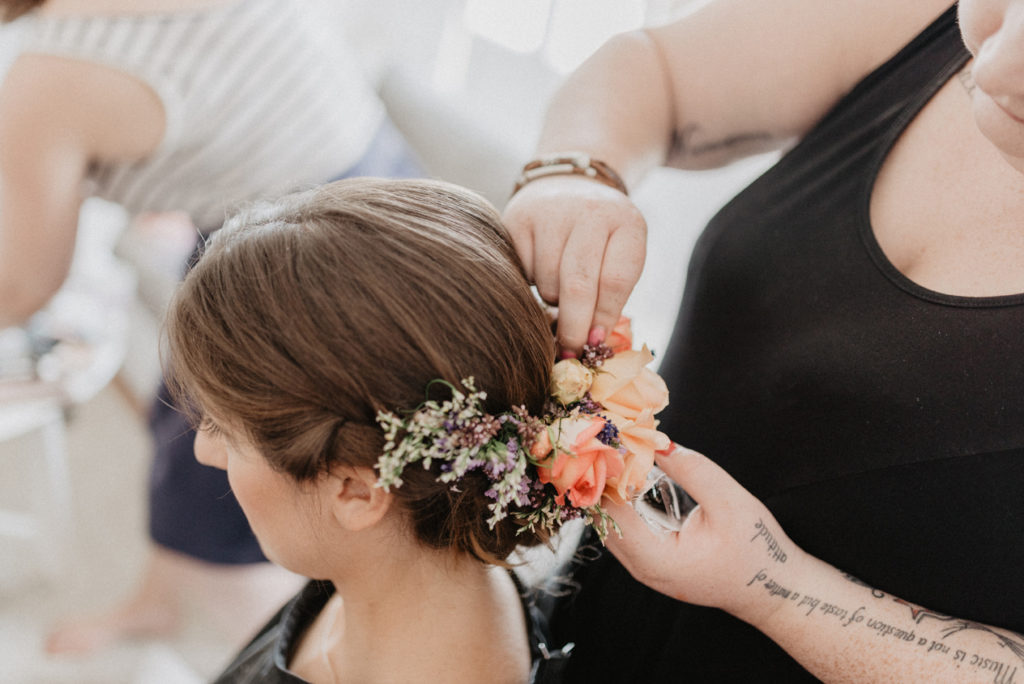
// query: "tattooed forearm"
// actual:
[[1008, 640], [917, 613], [1003, 661], [874, 592], [772, 545]]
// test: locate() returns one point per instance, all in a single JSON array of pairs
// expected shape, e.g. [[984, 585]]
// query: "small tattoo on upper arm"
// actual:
[[686, 144]]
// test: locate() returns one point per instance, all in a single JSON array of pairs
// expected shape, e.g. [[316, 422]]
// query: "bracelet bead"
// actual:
[[570, 164]]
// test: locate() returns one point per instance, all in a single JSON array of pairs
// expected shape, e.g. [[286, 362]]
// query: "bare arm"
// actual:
[[732, 554], [57, 115], [736, 77]]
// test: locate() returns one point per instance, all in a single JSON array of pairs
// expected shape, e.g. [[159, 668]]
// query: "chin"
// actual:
[[1003, 130], [293, 562]]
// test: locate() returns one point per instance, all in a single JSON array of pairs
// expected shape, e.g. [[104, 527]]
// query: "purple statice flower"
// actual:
[[479, 431], [495, 470], [588, 405], [528, 428], [525, 491], [567, 513], [594, 357], [491, 493], [538, 493], [512, 451], [554, 411], [609, 434]]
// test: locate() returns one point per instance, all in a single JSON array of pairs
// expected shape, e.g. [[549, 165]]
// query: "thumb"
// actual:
[[647, 555], [703, 479], [634, 533]]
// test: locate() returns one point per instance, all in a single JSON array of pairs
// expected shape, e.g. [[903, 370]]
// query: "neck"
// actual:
[[423, 616]]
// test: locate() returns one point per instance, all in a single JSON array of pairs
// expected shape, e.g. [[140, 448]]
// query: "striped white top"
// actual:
[[257, 101]]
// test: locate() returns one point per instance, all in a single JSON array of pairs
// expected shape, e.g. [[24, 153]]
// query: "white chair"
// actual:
[[90, 316], [47, 522]]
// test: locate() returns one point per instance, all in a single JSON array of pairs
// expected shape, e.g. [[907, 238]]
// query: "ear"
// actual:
[[356, 501]]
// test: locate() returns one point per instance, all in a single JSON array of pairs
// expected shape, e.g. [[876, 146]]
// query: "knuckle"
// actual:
[[577, 286], [548, 293], [570, 341], [617, 281]]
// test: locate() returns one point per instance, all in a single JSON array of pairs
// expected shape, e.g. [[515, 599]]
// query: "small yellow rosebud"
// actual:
[[570, 380]]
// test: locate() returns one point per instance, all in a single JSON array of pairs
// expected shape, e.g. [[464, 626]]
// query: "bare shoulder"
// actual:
[[48, 101], [770, 69]]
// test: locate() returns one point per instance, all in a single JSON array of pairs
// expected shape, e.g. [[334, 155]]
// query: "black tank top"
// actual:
[[882, 423]]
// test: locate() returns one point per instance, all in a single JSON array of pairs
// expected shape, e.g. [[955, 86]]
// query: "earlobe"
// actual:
[[357, 503]]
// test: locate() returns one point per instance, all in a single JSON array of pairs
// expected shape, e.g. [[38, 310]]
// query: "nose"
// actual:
[[998, 68], [209, 451]]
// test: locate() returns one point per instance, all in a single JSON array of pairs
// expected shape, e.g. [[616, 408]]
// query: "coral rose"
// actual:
[[641, 439], [541, 446], [570, 380], [625, 386], [620, 339], [581, 464]]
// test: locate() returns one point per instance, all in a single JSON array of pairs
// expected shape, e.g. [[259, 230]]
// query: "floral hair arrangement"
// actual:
[[597, 437]]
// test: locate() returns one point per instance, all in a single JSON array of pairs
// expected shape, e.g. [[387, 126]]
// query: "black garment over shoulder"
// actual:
[[265, 659], [882, 423]]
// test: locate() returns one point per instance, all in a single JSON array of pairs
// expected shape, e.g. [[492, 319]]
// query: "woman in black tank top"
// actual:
[[847, 348]]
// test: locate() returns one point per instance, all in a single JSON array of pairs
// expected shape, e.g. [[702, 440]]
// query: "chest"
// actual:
[[946, 209], [846, 298]]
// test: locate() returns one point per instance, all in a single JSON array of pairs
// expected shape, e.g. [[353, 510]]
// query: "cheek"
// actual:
[[277, 512], [209, 451], [251, 486], [978, 21]]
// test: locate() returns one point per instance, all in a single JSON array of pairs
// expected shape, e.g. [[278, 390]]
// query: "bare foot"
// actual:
[[137, 618], [153, 611]]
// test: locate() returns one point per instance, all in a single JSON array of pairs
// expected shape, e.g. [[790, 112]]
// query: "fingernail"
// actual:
[[567, 354], [596, 336]]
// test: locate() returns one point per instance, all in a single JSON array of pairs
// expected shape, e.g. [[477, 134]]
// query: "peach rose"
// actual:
[[620, 339], [624, 385], [570, 380], [541, 446], [641, 439], [581, 464]]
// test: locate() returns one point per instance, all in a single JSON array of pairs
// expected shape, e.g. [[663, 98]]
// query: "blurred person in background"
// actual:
[[173, 105], [848, 346]]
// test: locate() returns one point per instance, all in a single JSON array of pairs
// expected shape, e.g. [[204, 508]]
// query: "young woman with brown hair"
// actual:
[[303, 320]]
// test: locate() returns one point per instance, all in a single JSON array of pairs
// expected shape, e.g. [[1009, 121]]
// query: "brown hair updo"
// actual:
[[306, 316]]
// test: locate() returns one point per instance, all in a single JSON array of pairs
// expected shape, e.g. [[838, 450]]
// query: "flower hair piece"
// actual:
[[463, 438], [597, 438]]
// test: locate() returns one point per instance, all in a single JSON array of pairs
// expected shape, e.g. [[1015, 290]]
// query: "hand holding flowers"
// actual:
[[727, 539], [604, 445]]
